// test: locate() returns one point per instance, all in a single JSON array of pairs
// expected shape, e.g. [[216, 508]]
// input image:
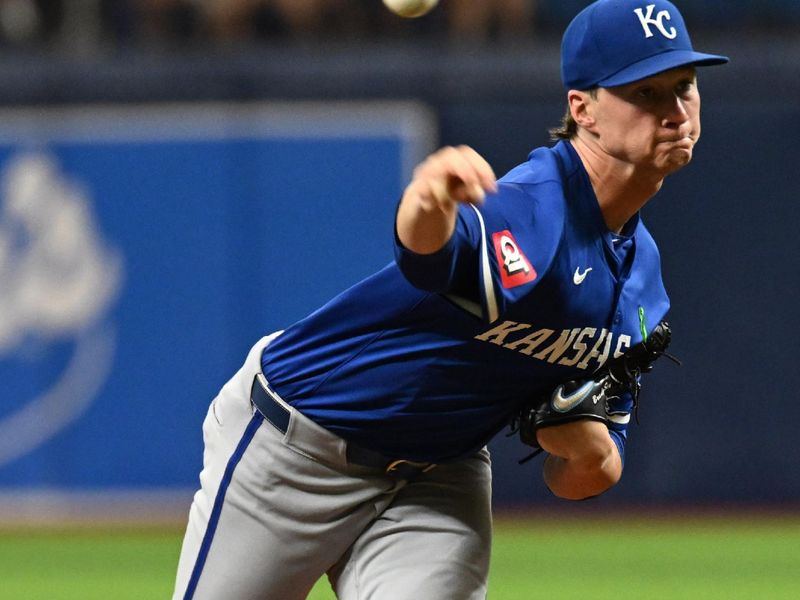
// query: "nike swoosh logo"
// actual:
[[578, 277], [562, 403]]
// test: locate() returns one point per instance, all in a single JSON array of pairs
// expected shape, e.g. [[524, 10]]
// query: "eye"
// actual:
[[685, 87], [645, 93]]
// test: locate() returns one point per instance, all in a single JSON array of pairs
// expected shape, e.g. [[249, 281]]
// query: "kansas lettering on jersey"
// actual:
[[429, 358], [584, 348]]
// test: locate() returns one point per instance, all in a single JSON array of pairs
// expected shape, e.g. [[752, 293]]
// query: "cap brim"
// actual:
[[660, 63]]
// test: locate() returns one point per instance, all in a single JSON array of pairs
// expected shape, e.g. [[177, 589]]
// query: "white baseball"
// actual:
[[410, 8]]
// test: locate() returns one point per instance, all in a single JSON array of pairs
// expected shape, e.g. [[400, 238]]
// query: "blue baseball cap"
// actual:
[[614, 42]]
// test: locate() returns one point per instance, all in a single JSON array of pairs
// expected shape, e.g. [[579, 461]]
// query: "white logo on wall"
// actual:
[[57, 282]]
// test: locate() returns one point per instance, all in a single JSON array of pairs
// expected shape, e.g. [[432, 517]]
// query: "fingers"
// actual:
[[454, 174], [427, 213], [486, 176]]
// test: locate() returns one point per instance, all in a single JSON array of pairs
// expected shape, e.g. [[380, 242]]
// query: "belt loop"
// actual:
[[408, 469]]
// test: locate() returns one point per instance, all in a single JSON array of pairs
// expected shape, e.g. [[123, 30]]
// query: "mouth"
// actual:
[[686, 140], [675, 147]]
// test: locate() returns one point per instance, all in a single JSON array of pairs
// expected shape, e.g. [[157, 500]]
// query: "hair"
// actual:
[[568, 128]]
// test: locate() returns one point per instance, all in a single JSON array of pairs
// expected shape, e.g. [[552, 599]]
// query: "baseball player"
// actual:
[[353, 443]]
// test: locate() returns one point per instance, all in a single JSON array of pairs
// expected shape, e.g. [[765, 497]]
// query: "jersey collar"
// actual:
[[585, 193]]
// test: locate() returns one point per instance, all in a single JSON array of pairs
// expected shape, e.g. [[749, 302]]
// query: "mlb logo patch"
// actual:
[[515, 268]]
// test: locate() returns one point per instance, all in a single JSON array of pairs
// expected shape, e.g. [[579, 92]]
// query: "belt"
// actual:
[[276, 414]]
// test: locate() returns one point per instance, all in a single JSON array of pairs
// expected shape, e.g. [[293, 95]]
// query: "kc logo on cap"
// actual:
[[615, 42], [647, 20]]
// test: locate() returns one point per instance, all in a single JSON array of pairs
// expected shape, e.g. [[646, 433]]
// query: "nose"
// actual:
[[676, 114]]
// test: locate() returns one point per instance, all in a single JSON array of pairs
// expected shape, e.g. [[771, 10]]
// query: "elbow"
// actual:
[[588, 475], [594, 482]]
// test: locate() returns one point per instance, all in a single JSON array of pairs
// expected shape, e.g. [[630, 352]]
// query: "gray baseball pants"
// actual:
[[277, 511]]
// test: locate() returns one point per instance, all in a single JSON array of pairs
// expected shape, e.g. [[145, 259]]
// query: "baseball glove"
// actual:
[[607, 396]]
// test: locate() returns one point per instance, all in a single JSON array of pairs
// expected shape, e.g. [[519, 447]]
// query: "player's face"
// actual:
[[651, 123]]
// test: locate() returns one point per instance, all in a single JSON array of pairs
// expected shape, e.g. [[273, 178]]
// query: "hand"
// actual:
[[452, 175]]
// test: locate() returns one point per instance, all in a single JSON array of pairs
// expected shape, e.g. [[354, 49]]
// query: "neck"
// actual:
[[621, 189]]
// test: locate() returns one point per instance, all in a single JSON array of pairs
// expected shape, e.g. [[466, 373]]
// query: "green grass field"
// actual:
[[732, 557]]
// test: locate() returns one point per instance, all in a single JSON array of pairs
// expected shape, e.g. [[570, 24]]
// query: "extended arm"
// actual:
[[427, 213]]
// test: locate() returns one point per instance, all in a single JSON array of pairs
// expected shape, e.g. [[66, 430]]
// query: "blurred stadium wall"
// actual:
[[165, 205]]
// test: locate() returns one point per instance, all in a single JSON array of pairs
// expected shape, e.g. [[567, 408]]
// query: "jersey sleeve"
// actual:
[[451, 270], [498, 251], [520, 230], [619, 413]]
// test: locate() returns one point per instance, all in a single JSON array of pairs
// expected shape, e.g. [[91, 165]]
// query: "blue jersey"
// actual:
[[430, 357]]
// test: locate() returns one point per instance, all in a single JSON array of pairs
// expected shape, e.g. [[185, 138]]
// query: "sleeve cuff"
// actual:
[[430, 272]]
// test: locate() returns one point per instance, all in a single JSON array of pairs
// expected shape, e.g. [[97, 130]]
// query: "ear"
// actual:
[[581, 107]]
